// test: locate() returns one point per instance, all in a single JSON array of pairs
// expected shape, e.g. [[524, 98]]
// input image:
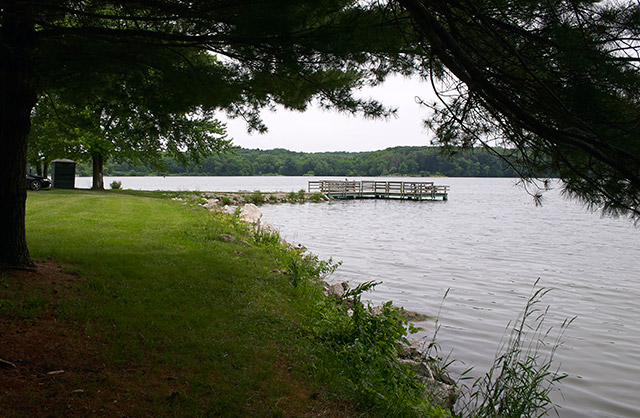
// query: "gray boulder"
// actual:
[[335, 289], [227, 209], [250, 213], [212, 204]]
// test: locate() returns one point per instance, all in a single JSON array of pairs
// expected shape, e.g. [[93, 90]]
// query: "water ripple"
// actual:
[[489, 249]]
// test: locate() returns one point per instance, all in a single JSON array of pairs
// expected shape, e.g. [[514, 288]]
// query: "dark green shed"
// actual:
[[63, 173]]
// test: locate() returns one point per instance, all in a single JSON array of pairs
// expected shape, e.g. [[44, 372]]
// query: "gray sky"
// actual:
[[316, 130]]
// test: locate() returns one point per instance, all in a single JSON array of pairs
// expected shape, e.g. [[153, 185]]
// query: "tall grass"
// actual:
[[522, 377]]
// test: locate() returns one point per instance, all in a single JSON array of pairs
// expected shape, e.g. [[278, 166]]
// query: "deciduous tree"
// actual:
[[111, 124]]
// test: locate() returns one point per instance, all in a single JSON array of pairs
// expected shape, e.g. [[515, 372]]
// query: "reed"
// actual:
[[522, 377]]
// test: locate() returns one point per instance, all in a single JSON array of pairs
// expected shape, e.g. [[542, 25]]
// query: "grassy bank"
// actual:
[[166, 319]]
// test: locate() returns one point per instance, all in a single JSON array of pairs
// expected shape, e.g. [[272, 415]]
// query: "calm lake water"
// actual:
[[487, 244]]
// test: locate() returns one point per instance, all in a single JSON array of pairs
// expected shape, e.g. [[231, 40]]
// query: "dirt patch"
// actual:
[[51, 367], [303, 402]]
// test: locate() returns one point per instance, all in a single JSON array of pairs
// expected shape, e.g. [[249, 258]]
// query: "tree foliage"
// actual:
[[558, 80], [403, 161], [272, 52], [268, 52], [122, 124]]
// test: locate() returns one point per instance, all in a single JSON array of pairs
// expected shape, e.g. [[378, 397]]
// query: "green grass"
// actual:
[[160, 283], [164, 300], [164, 293]]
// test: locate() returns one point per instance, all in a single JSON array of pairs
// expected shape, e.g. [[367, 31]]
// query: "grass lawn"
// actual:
[[137, 308], [169, 320]]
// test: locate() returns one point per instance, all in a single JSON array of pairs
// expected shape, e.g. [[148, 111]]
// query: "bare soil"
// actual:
[[51, 366]]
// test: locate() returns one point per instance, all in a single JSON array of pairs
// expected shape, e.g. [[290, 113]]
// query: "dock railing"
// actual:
[[351, 189]]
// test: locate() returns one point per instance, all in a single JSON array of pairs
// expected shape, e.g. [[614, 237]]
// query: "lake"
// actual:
[[487, 244]]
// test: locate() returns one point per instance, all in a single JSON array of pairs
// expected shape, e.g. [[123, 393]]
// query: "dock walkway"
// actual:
[[372, 189]]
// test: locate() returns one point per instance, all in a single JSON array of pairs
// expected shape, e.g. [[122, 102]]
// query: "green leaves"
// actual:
[[556, 81], [135, 117], [141, 79], [265, 52]]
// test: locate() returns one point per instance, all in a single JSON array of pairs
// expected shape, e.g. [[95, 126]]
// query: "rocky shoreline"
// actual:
[[212, 200], [441, 389]]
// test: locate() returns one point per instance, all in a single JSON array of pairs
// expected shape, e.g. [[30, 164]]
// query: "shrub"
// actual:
[[266, 237], [364, 343], [256, 197], [115, 185]]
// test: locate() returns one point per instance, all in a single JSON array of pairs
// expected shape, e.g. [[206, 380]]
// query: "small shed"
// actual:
[[63, 173]]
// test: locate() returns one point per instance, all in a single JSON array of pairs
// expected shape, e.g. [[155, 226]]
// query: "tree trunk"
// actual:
[[98, 164], [17, 98]]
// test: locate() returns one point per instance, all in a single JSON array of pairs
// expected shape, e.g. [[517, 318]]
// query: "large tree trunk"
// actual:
[[17, 98], [98, 165]]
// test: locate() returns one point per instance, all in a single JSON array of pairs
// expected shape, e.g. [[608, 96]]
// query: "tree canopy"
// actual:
[[558, 81], [268, 52], [125, 117]]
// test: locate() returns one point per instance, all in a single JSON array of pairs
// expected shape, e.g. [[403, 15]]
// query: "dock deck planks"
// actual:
[[373, 189]]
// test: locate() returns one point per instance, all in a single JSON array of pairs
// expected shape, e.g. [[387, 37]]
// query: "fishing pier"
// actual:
[[371, 189]]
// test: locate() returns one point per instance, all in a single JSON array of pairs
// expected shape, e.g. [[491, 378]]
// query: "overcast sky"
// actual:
[[316, 130]]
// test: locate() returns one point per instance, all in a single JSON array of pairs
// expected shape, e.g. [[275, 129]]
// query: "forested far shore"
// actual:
[[404, 161]]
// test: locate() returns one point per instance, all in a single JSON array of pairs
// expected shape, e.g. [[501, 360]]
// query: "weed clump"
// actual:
[[257, 198], [355, 346], [316, 197]]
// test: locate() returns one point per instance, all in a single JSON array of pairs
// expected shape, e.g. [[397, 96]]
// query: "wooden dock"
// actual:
[[371, 189]]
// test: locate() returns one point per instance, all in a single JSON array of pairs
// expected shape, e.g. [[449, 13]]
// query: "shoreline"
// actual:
[[213, 199], [199, 305], [413, 353]]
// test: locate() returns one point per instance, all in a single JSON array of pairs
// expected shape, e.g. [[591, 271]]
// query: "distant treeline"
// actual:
[[405, 161]]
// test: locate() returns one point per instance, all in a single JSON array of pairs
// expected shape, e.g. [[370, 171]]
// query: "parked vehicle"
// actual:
[[36, 182]]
